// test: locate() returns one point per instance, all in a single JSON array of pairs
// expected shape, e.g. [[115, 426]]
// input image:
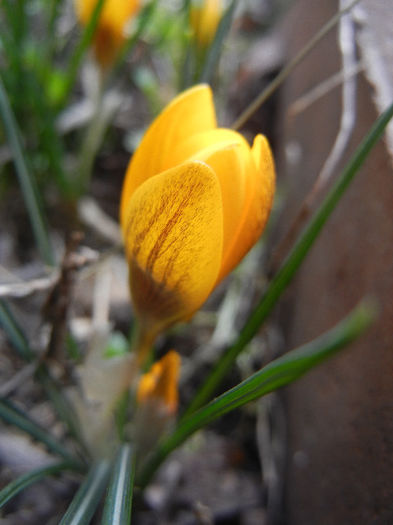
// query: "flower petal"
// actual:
[[189, 113], [228, 154], [159, 384], [226, 161], [189, 146], [258, 203], [173, 236]]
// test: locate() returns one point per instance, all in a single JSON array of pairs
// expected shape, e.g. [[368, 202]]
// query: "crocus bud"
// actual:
[[157, 398], [205, 16], [110, 32], [159, 385], [195, 199]]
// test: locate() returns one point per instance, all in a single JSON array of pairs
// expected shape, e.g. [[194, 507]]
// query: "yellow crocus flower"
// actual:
[[195, 199], [205, 16], [110, 35], [159, 386]]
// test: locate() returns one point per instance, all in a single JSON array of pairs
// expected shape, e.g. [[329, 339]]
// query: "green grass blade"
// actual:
[[18, 339], [87, 499], [62, 406], [50, 140], [79, 53], [117, 510], [26, 180], [52, 15], [16, 486], [15, 12], [14, 332], [292, 263], [214, 52], [14, 416], [276, 374], [144, 19]]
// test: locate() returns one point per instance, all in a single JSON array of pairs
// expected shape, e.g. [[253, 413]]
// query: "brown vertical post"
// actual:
[[340, 416]]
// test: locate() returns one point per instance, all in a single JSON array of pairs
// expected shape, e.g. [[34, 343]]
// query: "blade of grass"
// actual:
[[19, 484], [276, 374], [18, 339], [118, 503], [79, 52], [16, 16], [257, 103], [50, 139], [214, 52], [26, 179], [144, 18], [52, 14], [62, 407], [15, 416], [293, 261], [14, 332], [88, 497]]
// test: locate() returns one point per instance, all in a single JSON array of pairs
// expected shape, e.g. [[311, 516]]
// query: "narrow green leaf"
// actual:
[[276, 374], [50, 140], [288, 270], [14, 332], [79, 52], [16, 18], [18, 339], [51, 37], [87, 499], [14, 416], [144, 19], [62, 406], [26, 179], [19, 484], [214, 52], [117, 510]]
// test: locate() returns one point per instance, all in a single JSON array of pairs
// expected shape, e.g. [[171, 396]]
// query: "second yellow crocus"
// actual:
[[195, 199], [205, 16], [110, 33]]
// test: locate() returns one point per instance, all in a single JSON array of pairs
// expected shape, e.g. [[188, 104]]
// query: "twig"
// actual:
[[322, 89], [93, 216], [347, 47], [25, 288], [56, 306], [257, 103]]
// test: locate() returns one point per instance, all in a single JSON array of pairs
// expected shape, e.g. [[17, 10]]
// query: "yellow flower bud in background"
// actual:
[[205, 16], [110, 32], [195, 199], [159, 385], [157, 399]]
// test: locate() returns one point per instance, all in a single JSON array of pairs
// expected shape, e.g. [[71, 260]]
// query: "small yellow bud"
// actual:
[[110, 35], [205, 16], [159, 385]]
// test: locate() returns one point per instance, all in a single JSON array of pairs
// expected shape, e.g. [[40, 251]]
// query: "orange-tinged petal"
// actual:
[[228, 154], [189, 113], [114, 12], [226, 160], [189, 146], [160, 383], [173, 234], [258, 203]]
